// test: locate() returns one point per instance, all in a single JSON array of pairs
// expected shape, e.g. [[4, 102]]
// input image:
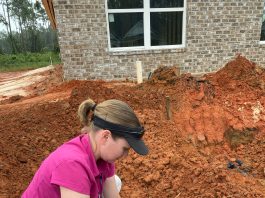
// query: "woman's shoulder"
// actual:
[[72, 150], [72, 163]]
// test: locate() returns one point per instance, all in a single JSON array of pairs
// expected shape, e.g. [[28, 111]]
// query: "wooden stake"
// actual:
[[168, 107], [139, 71]]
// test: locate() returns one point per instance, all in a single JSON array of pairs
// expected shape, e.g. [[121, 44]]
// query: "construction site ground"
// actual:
[[211, 145]]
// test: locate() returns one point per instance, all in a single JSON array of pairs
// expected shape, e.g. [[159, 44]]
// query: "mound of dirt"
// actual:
[[231, 98], [241, 73], [165, 74], [27, 84], [217, 120]]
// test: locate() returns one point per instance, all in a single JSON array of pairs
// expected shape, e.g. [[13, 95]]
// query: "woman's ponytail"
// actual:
[[84, 110]]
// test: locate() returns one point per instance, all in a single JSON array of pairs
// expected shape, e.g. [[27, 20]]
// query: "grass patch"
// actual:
[[20, 62]]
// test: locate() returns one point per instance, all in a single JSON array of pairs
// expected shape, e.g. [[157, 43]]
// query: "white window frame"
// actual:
[[146, 10]]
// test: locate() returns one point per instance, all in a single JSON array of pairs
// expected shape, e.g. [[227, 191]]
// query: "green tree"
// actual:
[[33, 32], [6, 20]]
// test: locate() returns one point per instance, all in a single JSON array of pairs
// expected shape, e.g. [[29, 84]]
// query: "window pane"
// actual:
[[166, 28], [122, 4], [166, 3], [262, 38], [126, 29]]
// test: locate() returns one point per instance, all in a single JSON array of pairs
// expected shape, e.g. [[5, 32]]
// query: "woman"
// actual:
[[84, 166]]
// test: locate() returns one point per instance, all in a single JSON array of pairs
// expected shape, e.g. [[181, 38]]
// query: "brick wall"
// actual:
[[215, 32]]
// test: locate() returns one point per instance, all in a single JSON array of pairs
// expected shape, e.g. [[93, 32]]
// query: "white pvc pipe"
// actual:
[[139, 71]]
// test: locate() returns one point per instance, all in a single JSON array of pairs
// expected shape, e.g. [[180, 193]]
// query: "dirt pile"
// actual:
[[15, 86], [240, 73], [230, 100], [216, 119], [165, 74]]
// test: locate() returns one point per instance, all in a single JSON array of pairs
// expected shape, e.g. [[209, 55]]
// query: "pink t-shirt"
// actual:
[[72, 166]]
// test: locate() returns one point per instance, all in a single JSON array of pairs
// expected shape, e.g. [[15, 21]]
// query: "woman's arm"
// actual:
[[110, 189], [67, 193]]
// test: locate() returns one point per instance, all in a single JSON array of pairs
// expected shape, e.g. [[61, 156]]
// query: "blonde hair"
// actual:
[[114, 111]]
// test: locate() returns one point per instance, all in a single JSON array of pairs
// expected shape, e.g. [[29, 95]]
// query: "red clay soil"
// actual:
[[216, 119]]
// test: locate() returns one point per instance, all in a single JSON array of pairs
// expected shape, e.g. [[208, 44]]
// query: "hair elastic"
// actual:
[[94, 107]]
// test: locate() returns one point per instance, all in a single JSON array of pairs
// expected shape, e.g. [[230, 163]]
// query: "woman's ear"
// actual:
[[106, 134]]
